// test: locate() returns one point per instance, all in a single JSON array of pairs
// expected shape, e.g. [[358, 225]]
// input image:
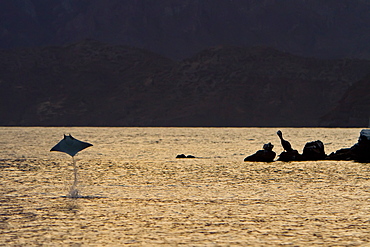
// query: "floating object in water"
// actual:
[[180, 156], [70, 145]]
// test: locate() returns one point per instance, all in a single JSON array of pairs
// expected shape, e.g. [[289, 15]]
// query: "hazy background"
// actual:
[[185, 62]]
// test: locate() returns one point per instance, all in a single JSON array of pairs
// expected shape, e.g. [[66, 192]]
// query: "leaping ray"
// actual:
[[70, 145]]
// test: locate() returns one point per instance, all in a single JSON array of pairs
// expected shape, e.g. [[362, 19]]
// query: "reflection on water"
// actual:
[[134, 191]]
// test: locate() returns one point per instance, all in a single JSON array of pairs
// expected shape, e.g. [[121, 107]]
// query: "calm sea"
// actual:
[[135, 192]]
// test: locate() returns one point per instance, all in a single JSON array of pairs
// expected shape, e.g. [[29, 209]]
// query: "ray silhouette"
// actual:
[[70, 145]]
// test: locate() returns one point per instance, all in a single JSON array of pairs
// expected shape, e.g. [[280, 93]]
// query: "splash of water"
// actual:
[[73, 192]]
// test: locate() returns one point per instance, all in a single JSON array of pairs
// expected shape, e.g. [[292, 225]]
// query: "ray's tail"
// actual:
[[73, 192]]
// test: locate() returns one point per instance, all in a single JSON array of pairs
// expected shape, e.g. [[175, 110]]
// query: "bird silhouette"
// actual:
[[286, 145]]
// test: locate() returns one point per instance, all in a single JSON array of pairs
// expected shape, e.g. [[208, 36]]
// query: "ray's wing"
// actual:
[[70, 145]]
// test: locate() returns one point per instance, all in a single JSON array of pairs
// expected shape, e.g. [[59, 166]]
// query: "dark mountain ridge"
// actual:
[[180, 28], [354, 107], [94, 84], [260, 86]]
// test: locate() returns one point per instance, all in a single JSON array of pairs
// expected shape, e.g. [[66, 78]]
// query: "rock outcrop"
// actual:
[[183, 156], [358, 152], [292, 155], [265, 155], [314, 151], [311, 151]]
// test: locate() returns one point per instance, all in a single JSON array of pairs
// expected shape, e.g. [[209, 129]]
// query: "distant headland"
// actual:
[[90, 83]]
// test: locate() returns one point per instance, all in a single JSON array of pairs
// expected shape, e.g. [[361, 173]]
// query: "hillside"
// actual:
[[354, 107], [181, 28], [260, 86], [94, 84], [88, 83]]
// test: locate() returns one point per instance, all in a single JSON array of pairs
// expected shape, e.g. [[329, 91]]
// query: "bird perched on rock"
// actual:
[[286, 145]]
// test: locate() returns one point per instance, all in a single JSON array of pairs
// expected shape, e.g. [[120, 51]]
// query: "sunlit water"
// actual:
[[133, 191]]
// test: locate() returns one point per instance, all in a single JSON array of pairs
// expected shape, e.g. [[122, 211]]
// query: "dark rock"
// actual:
[[182, 156], [265, 155], [292, 155], [314, 151], [341, 154], [359, 152]]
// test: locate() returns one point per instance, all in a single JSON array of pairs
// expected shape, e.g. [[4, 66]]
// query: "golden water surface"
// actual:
[[136, 193]]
